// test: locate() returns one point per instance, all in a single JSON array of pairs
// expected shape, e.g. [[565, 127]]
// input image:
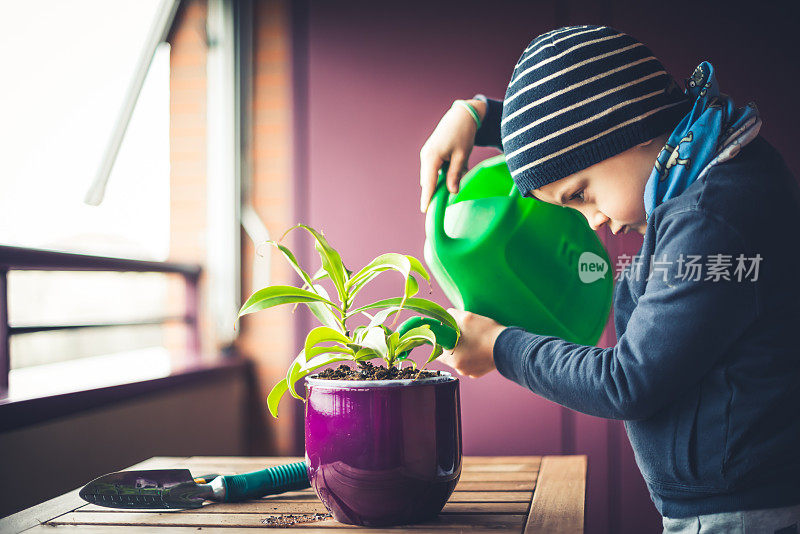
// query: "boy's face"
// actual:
[[610, 192]]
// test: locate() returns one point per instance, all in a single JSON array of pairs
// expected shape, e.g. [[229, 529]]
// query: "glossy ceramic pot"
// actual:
[[383, 452]]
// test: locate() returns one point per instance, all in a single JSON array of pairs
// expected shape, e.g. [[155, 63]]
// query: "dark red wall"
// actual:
[[373, 78]]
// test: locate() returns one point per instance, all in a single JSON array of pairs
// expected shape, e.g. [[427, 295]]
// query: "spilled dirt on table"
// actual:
[[286, 520]]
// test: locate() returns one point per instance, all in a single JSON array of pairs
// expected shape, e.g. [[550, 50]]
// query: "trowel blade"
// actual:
[[148, 489]]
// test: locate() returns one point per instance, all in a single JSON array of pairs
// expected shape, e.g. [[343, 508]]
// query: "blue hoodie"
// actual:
[[706, 373]]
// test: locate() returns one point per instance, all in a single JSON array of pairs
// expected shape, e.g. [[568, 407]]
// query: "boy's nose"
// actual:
[[597, 220]]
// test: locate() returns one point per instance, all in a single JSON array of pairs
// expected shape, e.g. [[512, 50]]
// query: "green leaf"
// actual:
[[382, 263], [323, 312], [417, 267], [445, 336], [423, 306], [293, 375], [331, 260], [300, 368], [292, 262], [399, 262], [382, 315], [366, 354], [277, 295], [406, 359], [320, 274], [435, 353], [407, 346], [275, 396], [416, 337], [322, 334], [357, 333], [316, 351], [392, 340], [412, 287], [280, 389], [403, 264], [375, 339]]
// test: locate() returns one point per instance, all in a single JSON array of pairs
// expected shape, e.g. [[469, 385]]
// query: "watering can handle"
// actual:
[[435, 219]]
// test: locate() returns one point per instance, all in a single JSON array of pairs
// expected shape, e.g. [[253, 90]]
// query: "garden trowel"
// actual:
[[176, 488]]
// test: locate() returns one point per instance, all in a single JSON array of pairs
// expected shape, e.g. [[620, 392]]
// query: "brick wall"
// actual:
[[187, 157], [267, 336]]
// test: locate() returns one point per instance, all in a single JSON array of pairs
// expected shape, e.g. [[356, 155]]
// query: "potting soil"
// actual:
[[367, 371]]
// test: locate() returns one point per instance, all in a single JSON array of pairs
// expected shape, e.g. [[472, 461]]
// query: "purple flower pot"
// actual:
[[383, 452]]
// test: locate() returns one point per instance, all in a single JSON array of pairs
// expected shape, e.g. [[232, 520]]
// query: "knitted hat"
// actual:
[[582, 94]]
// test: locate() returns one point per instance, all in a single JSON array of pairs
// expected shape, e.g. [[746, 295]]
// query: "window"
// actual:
[[69, 71], [67, 68]]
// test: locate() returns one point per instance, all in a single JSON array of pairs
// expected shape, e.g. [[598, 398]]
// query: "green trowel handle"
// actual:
[[268, 481], [445, 336]]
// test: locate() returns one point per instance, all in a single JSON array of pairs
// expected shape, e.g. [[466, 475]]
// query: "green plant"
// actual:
[[333, 341]]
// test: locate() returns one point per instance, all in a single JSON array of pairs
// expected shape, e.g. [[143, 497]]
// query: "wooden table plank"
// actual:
[[494, 494], [160, 462], [457, 496], [470, 472], [41, 513], [133, 529], [265, 506], [307, 497], [277, 460], [498, 476], [522, 466], [496, 486], [558, 503], [491, 496], [501, 459], [182, 519], [68, 502]]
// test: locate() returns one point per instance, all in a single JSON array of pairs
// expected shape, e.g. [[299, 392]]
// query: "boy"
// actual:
[[706, 371]]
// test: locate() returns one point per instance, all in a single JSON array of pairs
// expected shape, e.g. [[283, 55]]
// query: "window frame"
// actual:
[[17, 413], [229, 44], [30, 259], [158, 33]]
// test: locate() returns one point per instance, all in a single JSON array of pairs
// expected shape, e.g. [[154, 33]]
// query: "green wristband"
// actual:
[[471, 110]]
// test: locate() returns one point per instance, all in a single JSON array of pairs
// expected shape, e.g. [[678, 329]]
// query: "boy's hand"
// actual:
[[452, 140], [473, 356]]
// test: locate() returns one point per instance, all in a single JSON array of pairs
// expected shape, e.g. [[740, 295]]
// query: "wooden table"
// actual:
[[495, 493]]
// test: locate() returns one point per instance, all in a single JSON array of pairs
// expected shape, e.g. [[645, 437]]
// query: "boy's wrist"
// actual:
[[494, 333], [480, 107], [472, 111]]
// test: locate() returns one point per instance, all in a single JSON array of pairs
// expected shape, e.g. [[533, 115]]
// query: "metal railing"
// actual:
[[27, 259]]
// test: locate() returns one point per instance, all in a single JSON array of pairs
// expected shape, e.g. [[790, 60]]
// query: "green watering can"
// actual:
[[518, 260]]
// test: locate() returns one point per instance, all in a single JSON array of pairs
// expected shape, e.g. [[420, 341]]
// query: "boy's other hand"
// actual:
[[473, 356], [451, 141]]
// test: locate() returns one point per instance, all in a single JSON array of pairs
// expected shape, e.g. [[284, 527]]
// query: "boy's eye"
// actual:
[[578, 195]]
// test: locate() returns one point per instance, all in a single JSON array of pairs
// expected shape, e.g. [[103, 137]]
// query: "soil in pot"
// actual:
[[367, 371]]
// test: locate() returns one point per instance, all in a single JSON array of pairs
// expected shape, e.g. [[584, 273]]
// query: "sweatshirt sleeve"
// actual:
[[676, 333], [489, 132]]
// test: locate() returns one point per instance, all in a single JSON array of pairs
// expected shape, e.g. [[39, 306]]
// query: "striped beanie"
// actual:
[[582, 94]]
